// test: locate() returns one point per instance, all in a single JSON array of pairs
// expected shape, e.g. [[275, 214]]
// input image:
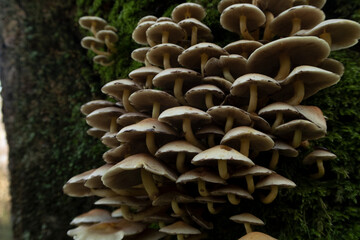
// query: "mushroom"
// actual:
[[256, 236], [95, 215], [247, 219], [180, 229], [196, 30], [103, 60], [173, 198], [95, 132], [74, 187], [139, 33], [211, 133], [281, 148], [94, 44], [94, 24], [223, 4], [315, 3], [165, 32], [115, 155], [93, 105], [144, 75], [318, 156], [219, 82], [188, 10], [164, 55], [233, 192], [94, 182], [105, 118], [242, 47], [333, 66], [139, 55], [146, 19], [210, 200], [204, 96], [109, 37]]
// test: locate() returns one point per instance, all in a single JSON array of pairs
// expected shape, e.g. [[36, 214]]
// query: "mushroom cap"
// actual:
[[236, 64], [102, 60], [241, 46], [274, 6], [256, 236], [166, 78], [107, 34], [147, 18], [258, 141], [138, 130], [129, 118], [148, 234], [220, 82], [95, 132], [117, 154], [203, 31], [93, 216], [318, 154], [260, 123], [127, 172], [191, 57], [112, 28], [333, 66], [230, 17], [309, 130], [196, 95], [101, 118], [117, 201], [232, 189], [265, 85], [315, 3], [221, 113], [94, 179], [265, 59], [144, 99], [74, 187], [164, 19], [200, 173], [313, 114], [116, 88], [344, 33], [179, 227], [93, 105], [175, 116], [285, 149], [223, 4], [196, 214], [166, 198], [247, 218], [109, 140], [86, 42], [194, 10], [87, 21], [288, 111], [155, 32], [275, 180], [210, 199], [139, 54], [254, 171], [156, 54], [309, 16], [221, 153], [205, 130], [139, 33], [140, 75], [171, 149]]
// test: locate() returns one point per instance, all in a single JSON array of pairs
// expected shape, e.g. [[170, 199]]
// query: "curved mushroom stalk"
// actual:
[[177, 210], [278, 120], [296, 26], [244, 146], [194, 31], [299, 92], [229, 123], [243, 29], [97, 51], [253, 98], [178, 91], [180, 162], [148, 83], [165, 37], [211, 209], [321, 170], [296, 142], [248, 228], [233, 199], [113, 125], [149, 184], [189, 135], [204, 59], [223, 169], [150, 143], [125, 101], [166, 60], [202, 188], [227, 74], [271, 196], [267, 32], [156, 110], [274, 159], [285, 65], [250, 183], [209, 100]]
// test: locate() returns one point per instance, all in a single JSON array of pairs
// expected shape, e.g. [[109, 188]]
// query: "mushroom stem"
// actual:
[[147, 63], [151, 42], [267, 32], [209, 100], [189, 135], [321, 170], [274, 159], [296, 26], [233, 199], [297, 138], [250, 183], [204, 58], [227, 74], [253, 98], [194, 31], [110, 45], [271, 196], [244, 146], [125, 100], [243, 29], [180, 162], [148, 83], [150, 143], [327, 37], [187, 14], [247, 227], [299, 92], [93, 28], [212, 210], [278, 120], [113, 125], [156, 110], [175, 207], [149, 184], [202, 188], [125, 210], [223, 169], [180, 237], [211, 140], [166, 61], [98, 52], [165, 37], [285, 64], [229, 123], [178, 90]]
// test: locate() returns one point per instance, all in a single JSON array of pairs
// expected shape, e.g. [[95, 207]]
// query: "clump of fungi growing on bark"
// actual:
[[182, 153]]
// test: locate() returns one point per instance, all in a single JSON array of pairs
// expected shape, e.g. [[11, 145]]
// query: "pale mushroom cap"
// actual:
[[116, 88], [274, 6], [122, 200], [139, 54], [288, 111], [275, 180], [91, 106], [230, 17], [285, 149], [155, 32], [223, 4], [210, 199], [101, 118], [247, 218], [107, 34], [260, 123], [191, 57], [205, 130], [195, 10], [332, 65], [179, 227], [258, 141], [315, 3], [140, 75], [156, 54], [265, 59], [74, 187], [93, 216], [200, 174], [109, 140], [95, 132], [202, 29], [310, 16], [112, 28], [220, 82], [102, 59], [309, 130], [256, 236], [318, 154], [236, 64], [129, 118], [175, 116], [117, 154], [94, 179], [169, 150], [147, 18], [144, 99], [222, 153], [166, 78], [196, 214], [139, 33], [254, 171], [196, 95], [86, 42], [221, 113], [241, 46], [166, 198], [313, 114], [87, 21], [232, 189]]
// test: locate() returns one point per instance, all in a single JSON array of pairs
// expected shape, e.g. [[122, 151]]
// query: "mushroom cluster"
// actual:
[[187, 129]]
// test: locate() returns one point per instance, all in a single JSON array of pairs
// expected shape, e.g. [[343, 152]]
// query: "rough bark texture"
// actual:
[[46, 77]]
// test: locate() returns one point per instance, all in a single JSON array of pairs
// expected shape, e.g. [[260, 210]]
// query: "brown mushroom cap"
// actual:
[[166, 198], [147, 18], [256, 236], [155, 32], [315, 3], [156, 54], [242, 46], [313, 114], [116, 88], [200, 173], [221, 113], [117, 201], [139, 54], [74, 187], [188, 10], [88, 21], [226, 3], [221, 83], [260, 123], [117, 154], [101, 118], [270, 111], [93, 105], [247, 218], [179, 227], [309, 130], [318, 154], [274, 6], [333, 66], [253, 171], [232, 189], [309, 17], [111, 36], [103, 60], [129, 118], [86, 42], [285, 149], [93, 216], [95, 132], [233, 63], [203, 31], [168, 151], [275, 180], [109, 140], [230, 17], [140, 75], [139, 33], [196, 95]]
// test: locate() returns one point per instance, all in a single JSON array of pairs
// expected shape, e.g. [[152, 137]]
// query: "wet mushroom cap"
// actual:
[[101, 118], [169, 150], [196, 95], [256, 236], [221, 113], [247, 218], [333, 66], [241, 46], [308, 129], [318, 154], [116, 88], [288, 111], [91, 106], [140, 75], [88, 41], [156, 54], [254, 171], [87, 21], [200, 173], [139, 33], [275, 180], [193, 10], [313, 114], [166, 78], [93, 216], [202, 29], [139, 54], [155, 32], [103, 34]]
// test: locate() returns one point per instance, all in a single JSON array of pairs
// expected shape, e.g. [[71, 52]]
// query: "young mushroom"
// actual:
[[144, 75], [180, 229], [247, 219], [257, 236], [195, 29], [94, 24], [188, 10], [164, 55], [94, 44], [243, 47], [318, 156], [204, 96], [234, 193], [109, 37], [165, 32]]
